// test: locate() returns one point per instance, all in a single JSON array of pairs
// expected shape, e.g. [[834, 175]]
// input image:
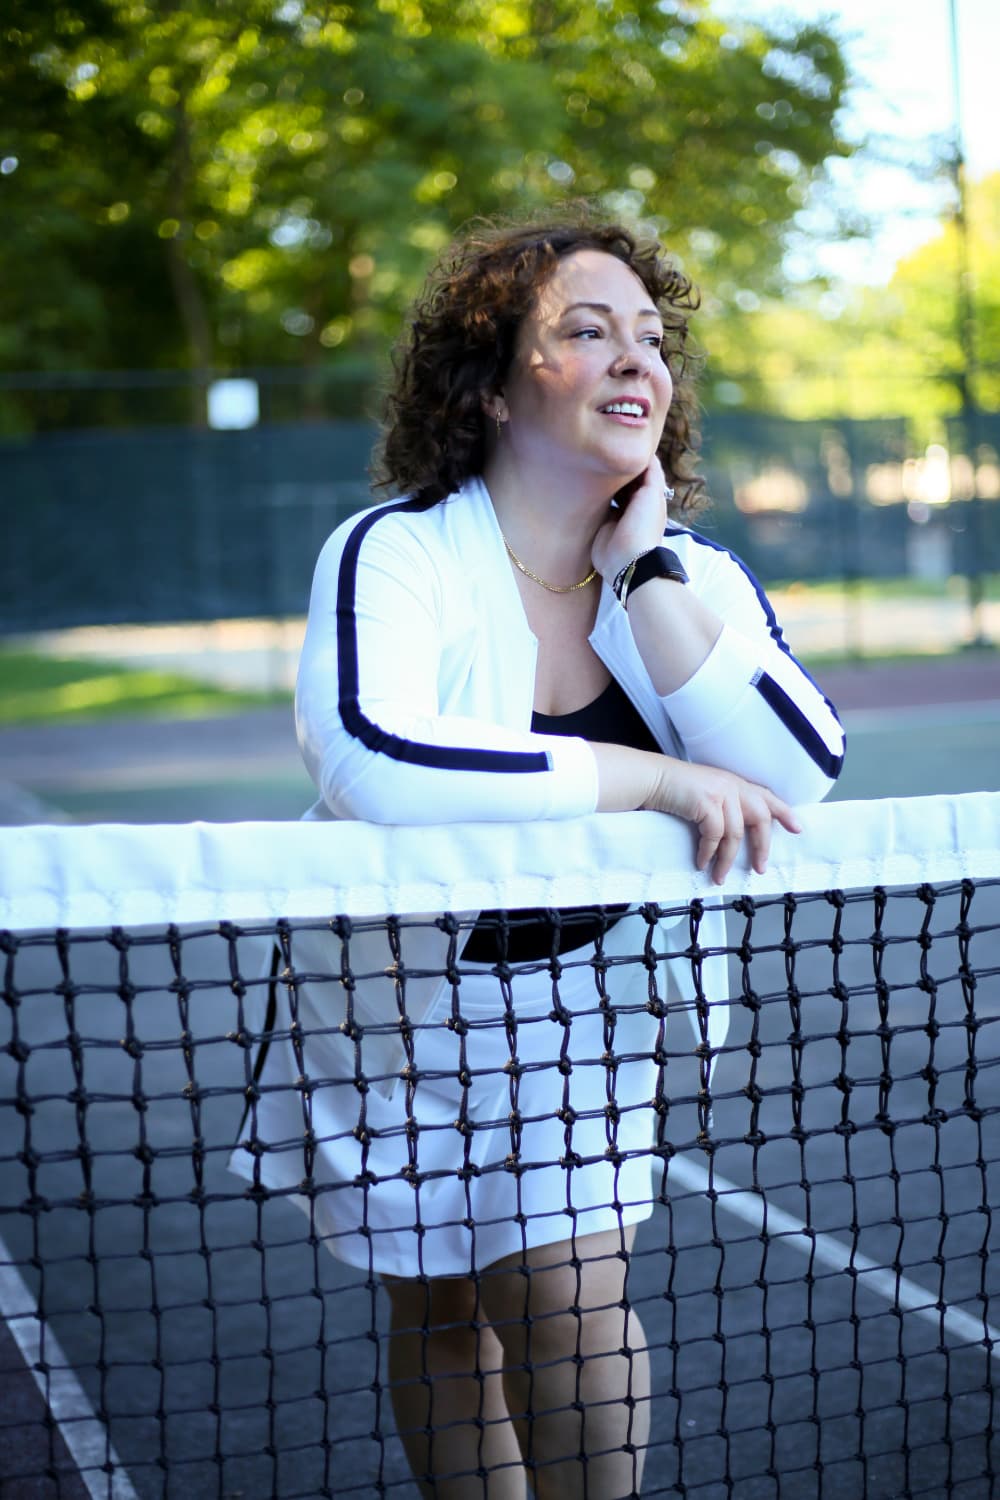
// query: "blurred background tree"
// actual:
[[890, 351], [213, 186]]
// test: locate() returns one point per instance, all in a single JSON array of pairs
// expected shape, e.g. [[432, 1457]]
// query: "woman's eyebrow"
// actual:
[[605, 307]]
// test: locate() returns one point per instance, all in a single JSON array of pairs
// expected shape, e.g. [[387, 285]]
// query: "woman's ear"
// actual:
[[495, 407]]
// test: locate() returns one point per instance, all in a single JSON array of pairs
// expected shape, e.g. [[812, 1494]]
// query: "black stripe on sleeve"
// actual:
[[798, 725], [778, 700], [772, 620], [372, 735]]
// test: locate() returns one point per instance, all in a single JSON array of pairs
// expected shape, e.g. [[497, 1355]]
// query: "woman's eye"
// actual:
[[587, 333], [655, 340]]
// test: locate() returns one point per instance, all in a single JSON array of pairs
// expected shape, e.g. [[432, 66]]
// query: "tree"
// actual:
[[886, 351], [215, 185]]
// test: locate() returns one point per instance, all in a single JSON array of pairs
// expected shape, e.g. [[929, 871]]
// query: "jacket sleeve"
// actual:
[[751, 707], [368, 712]]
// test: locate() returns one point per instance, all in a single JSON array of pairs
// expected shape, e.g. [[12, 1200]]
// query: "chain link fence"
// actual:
[[165, 523]]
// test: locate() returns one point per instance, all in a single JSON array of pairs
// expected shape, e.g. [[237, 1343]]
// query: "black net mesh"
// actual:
[[549, 1188]]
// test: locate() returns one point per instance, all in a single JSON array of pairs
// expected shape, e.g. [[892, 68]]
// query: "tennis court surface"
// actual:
[[817, 1279]]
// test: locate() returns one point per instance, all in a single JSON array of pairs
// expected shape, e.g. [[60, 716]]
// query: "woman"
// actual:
[[529, 633]]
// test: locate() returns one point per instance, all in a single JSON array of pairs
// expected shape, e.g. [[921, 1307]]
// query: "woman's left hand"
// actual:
[[635, 525]]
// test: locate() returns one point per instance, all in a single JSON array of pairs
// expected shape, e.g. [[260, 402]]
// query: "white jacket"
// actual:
[[414, 705], [417, 676]]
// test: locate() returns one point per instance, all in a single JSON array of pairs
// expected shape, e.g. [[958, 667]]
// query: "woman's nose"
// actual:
[[633, 358]]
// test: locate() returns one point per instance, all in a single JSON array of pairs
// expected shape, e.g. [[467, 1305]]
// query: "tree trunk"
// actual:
[[187, 292]]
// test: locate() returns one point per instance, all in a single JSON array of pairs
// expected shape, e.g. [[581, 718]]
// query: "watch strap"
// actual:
[[659, 562]]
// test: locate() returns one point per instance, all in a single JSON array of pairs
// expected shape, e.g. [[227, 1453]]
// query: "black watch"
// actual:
[[659, 563]]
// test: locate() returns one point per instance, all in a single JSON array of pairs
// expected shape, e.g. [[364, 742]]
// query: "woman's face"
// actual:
[[587, 388]]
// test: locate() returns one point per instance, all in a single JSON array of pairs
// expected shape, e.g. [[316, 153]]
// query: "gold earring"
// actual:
[[499, 424]]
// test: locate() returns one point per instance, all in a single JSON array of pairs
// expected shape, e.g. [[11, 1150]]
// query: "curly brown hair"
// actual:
[[460, 341]]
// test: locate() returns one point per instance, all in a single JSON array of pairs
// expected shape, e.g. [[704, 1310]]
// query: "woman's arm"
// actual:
[[367, 699], [379, 749], [715, 655]]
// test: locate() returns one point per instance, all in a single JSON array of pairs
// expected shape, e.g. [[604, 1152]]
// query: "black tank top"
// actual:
[[524, 936]]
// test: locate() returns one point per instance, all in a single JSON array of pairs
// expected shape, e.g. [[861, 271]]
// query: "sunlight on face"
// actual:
[[587, 386]]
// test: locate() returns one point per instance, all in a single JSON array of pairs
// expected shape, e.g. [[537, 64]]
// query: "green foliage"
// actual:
[[215, 185], [892, 351], [47, 689]]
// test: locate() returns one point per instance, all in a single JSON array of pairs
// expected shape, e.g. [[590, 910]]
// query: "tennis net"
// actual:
[[236, 1094]]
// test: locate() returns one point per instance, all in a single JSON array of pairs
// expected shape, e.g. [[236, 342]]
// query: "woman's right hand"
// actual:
[[724, 808]]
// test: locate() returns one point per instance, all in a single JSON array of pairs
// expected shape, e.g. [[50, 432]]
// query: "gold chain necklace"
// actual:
[[553, 588]]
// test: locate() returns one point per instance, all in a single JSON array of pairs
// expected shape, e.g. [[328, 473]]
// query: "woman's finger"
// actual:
[[732, 836], [763, 809], [781, 812], [711, 827], [759, 840]]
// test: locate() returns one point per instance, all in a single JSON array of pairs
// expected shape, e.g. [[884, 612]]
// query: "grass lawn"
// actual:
[[36, 689]]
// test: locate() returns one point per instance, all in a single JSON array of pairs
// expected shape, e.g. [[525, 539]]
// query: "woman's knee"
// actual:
[[562, 1295], [432, 1302]]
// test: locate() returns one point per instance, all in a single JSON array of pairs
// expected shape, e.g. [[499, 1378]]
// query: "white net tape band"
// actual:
[[140, 875]]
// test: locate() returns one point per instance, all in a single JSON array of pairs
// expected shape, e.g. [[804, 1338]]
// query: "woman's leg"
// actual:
[[447, 1392], [576, 1370]]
